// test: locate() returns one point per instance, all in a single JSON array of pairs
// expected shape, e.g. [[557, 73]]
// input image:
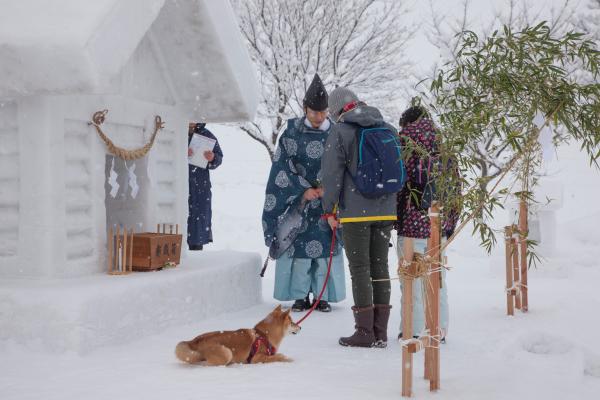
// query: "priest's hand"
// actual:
[[311, 194], [209, 155], [333, 222]]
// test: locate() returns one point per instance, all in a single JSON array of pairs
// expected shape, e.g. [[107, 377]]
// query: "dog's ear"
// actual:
[[287, 312], [277, 309]]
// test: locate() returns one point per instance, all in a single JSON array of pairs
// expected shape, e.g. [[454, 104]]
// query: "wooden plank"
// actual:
[[415, 347], [124, 252], [516, 274], [435, 279], [523, 233], [510, 308], [130, 266], [407, 328], [110, 242], [117, 249]]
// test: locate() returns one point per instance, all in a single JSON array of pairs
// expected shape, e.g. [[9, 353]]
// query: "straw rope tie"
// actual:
[[97, 120]]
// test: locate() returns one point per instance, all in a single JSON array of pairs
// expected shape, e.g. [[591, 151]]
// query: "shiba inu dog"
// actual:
[[251, 346]]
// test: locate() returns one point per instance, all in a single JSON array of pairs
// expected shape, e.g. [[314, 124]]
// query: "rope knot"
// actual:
[[99, 117]]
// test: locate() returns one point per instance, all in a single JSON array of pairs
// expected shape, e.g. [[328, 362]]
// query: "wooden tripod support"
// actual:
[[432, 280], [515, 240]]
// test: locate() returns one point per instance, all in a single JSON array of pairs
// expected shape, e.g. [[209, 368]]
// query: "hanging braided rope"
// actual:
[[97, 120]]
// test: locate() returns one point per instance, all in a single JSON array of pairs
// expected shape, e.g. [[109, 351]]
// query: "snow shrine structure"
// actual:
[[60, 190]]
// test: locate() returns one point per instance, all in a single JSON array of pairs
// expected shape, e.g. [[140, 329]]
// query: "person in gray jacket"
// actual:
[[366, 222]]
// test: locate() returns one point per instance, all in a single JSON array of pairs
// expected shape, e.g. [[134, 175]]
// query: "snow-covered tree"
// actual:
[[589, 19], [508, 86], [355, 43], [445, 33]]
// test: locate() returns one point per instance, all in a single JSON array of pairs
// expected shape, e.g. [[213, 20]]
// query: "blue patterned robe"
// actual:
[[297, 167]]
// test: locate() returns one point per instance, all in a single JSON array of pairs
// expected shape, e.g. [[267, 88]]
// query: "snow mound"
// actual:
[[592, 365], [545, 344]]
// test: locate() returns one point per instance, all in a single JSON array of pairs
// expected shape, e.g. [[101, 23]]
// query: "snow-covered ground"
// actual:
[[549, 353]]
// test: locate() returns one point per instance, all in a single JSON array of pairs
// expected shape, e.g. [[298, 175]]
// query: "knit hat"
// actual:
[[316, 95], [338, 99]]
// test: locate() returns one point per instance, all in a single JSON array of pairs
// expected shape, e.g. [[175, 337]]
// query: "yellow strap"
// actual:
[[366, 219]]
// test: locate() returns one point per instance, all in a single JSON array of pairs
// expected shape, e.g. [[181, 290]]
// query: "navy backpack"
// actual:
[[380, 169]]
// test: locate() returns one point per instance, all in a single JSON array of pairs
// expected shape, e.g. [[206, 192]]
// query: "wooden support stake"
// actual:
[[170, 229], [110, 242], [164, 228], [124, 253], [131, 252], [157, 228], [433, 294], [516, 274], [407, 333], [510, 309], [523, 233], [177, 229], [117, 249]]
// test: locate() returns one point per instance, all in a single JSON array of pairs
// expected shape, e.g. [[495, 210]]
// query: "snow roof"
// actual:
[[79, 47]]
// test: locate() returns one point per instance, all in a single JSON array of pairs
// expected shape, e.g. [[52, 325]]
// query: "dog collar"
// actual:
[[261, 338]]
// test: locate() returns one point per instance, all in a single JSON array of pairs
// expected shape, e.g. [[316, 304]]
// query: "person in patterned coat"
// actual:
[[295, 180], [413, 224]]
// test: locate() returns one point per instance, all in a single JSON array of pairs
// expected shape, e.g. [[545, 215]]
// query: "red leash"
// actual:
[[316, 302]]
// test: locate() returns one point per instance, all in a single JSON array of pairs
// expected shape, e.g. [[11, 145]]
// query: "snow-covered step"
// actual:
[[82, 314]]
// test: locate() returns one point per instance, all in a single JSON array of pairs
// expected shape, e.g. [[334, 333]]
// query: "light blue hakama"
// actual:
[[295, 277]]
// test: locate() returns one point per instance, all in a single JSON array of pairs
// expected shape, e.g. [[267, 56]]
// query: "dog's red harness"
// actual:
[[261, 338]]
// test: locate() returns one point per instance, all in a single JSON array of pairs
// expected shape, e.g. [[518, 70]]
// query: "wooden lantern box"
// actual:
[[153, 251]]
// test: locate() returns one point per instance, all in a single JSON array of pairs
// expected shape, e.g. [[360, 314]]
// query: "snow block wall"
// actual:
[[79, 206], [9, 182]]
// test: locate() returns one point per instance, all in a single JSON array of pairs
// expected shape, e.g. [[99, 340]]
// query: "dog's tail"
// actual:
[[185, 353]]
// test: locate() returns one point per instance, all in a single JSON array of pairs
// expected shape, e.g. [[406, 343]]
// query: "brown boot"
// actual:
[[380, 323], [363, 323]]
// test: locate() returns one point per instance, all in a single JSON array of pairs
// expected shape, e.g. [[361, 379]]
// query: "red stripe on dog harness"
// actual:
[[260, 339]]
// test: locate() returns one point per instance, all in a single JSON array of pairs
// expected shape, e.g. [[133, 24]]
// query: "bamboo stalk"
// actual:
[[510, 309]]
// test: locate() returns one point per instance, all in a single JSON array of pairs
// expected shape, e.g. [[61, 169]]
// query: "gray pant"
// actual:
[[366, 245]]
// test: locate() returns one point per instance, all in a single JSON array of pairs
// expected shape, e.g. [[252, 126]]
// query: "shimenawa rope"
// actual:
[[97, 120]]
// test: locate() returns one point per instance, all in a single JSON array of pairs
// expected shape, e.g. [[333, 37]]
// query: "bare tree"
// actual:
[[490, 155], [354, 43], [589, 19]]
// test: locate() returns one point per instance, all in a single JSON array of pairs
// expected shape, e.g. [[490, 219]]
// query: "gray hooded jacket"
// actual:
[[339, 164]]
